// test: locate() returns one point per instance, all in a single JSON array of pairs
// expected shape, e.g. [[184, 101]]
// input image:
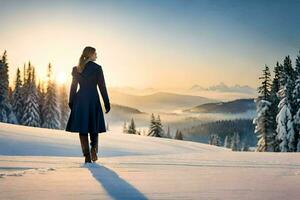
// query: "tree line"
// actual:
[[155, 129], [41, 104], [277, 121]]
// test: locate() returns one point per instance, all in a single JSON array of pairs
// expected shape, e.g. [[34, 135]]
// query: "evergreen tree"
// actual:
[[296, 97], [131, 127], [274, 99], [168, 132], [6, 111], [125, 130], [227, 143], [178, 135], [31, 114], [245, 146], [263, 121], [64, 107], [51, 114], [284, 118], [215, 140], [155, 129], [235, 142], [17, 99], [41, 99]]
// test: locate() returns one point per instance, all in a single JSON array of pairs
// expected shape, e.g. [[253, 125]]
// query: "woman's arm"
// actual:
[[103, 90], [73, 88]]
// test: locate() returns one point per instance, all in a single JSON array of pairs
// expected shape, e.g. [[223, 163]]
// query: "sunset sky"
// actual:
[[157, 44]]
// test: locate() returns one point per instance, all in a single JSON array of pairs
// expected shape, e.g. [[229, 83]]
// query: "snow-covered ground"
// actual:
[[45, 164]]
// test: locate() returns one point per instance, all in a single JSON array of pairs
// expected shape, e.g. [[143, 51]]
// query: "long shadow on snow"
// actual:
[[115, 186]]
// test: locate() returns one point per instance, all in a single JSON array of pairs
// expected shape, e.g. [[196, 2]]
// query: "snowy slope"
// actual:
[[39, 163]]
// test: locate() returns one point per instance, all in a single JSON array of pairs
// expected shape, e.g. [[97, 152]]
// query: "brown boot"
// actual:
[[94, 154], [94, 147], [84, 141]]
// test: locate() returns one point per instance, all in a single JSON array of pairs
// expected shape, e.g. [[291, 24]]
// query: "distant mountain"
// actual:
[[222, 87], [159, 101], [236, 106], [125, 109]]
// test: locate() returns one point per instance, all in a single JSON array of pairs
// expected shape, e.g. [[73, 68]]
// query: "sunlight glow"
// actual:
[[61, 77]]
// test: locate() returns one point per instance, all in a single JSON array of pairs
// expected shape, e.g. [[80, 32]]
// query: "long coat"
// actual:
[[86, 112]]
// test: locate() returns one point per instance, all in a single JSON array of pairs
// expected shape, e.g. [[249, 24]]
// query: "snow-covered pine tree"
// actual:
[[296, 97], [263, 120], [155, 129], [31, 114], [125, 130], [51, 114], [274, 99], [41, 99], [235, 142], [64, 107], [226, 142], [215, 140], [131, 127], [284, 118], [17, 99], [6, 111], [178, 135], [168, 135], [159, 125]]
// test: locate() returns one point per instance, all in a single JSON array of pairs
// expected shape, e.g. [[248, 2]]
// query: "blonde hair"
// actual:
[[85, 57]]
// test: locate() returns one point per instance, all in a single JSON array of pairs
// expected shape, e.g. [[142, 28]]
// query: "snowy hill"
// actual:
[[235, 106], [158, 101], [38, 163]]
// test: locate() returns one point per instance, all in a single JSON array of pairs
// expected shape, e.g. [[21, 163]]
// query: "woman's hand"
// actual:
[[107, 108], [70, 105]]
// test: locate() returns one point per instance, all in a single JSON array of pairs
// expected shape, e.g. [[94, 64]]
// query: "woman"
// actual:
[[86, 112]]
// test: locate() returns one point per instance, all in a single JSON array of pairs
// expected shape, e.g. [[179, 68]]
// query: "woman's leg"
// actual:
[[94, 145], [94, 140], [84, 141]]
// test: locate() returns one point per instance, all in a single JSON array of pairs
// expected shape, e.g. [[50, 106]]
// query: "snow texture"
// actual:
[[37, 163]]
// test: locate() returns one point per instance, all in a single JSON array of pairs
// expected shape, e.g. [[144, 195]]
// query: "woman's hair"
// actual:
[[85, 57]]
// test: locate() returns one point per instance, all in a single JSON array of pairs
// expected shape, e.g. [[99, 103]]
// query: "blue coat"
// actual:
[[86, 112]]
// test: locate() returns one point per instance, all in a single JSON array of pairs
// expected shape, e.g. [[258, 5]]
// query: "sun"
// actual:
[[61, 78]]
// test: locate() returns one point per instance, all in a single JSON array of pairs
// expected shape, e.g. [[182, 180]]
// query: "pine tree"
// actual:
[[17, 99], [263, 121], [6, 111], [131, 127], [41, 99], [64, 107], [215, 140], [284, 118], [51, 114], [155, 129], [178, 135], [227, 142], [245, 146], [31, 114], [168, 132], [296, 97], [274, 99], [125, 130], [235, 142]]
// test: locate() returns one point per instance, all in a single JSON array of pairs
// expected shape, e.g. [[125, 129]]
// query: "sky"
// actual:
[[153, 44]]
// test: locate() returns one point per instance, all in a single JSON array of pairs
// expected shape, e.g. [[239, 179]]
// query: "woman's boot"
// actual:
[[94, 146], [84, 141]]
